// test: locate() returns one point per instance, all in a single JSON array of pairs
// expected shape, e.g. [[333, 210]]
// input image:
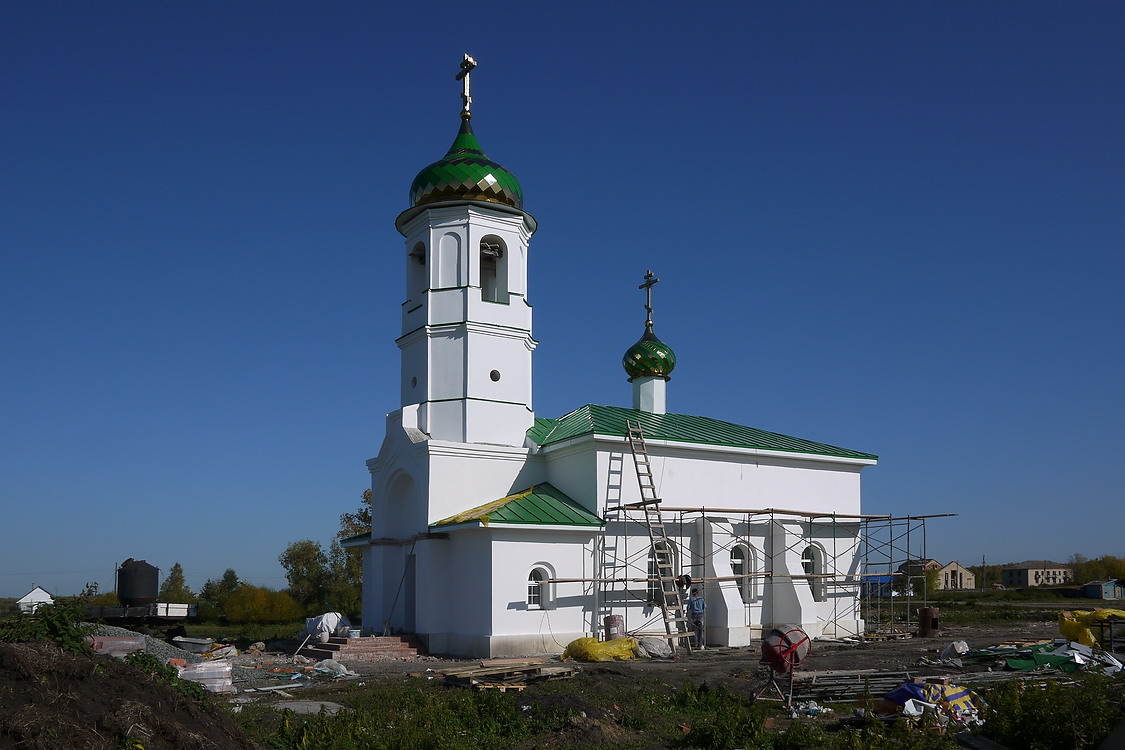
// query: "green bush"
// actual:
[[1026, 716], [56, 623]]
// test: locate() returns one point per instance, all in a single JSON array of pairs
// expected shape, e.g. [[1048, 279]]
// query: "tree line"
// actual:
[[1084, 569], [319, 581]]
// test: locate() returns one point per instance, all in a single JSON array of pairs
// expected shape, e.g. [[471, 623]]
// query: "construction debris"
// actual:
[[1058, 655], [944, 702], [119, 646], [215, 676]]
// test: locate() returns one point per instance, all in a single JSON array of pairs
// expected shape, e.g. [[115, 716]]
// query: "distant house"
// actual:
[[1104, 589], [919, 567], [1035, 573], [954, 575], [30, 601]]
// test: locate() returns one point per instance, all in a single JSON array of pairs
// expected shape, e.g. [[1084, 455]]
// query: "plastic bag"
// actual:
[[333, 667], [655, 648], [954, 650], [1075, 626], [591, 649]]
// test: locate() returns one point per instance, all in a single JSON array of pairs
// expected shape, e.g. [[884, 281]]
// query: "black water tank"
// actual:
[[137, 583]]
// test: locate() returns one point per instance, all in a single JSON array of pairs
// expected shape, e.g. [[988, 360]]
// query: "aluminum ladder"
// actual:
[[677, 625]]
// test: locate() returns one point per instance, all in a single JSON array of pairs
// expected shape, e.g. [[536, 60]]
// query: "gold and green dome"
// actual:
[[465, 173], [649, 357]]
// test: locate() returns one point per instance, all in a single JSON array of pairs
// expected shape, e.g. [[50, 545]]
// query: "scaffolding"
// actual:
[[876, 561], [868, 572]]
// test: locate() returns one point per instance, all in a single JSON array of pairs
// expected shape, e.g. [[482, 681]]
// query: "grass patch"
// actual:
[[246, 634], [600, 711], [581, 713]]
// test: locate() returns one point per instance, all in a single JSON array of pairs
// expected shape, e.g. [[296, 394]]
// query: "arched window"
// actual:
[[742, 564], [416, 273], [540, 592], [535, 588], [661, 564], [812, 560], [493, 270]]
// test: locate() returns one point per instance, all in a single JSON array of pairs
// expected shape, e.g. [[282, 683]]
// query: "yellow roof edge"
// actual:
[[481, 512]]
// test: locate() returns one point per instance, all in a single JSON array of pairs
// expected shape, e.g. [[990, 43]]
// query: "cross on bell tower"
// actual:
[[466, 338], [649, 282], [467, 66], [650, 361]]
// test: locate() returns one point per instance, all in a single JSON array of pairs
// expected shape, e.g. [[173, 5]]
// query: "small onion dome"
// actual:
[[649, 357], [465, 173]]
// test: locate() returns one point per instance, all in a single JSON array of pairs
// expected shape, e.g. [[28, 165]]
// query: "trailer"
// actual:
[[154, 613]]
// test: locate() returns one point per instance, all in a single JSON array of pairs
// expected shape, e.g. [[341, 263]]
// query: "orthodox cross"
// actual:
[[650, 279], [467, 66]]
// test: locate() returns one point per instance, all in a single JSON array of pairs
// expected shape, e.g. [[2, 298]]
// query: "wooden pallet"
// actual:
[[1019, 644], [510, 673], [503, 687], [846, 686], [900, 636]]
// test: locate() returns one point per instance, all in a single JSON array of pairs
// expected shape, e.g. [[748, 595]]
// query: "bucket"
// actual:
[[614, 627], [353, 633]]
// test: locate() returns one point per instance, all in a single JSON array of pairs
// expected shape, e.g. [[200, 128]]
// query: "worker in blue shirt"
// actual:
[[695, 607]]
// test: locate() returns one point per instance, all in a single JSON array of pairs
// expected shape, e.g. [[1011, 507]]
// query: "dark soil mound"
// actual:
[[54, 699]]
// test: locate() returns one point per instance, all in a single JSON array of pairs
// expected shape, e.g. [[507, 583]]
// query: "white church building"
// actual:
[[498, 533]]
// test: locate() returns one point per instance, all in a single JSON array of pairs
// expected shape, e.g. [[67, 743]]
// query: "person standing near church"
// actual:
[[695, 607]]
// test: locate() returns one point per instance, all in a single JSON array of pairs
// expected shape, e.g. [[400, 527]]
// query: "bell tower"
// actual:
[[466, 339]]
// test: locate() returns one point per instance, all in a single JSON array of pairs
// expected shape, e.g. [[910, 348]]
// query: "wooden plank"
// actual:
[[503, 687], [482, 671], [511, 662]]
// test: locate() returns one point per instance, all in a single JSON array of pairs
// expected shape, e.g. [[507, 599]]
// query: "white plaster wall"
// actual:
[[382, 571], [507, 352], [371, 610], [516, 553], [466, 476], [709, 476], [458, 620], [452, 340], [449, 263], [576, 471]]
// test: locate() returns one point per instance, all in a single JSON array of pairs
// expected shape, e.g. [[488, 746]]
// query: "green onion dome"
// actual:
[[465, 173], [649, 357]]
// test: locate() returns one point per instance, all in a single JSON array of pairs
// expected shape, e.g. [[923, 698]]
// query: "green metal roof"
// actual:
[[465, 173], [539, 505], [684, 428], [357, 540]]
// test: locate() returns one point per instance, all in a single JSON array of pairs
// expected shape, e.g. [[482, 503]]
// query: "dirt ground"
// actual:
[[726, 665], [53, 699]]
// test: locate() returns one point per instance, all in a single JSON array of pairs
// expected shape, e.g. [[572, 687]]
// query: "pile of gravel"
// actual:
[[165, 651], [155, 646]]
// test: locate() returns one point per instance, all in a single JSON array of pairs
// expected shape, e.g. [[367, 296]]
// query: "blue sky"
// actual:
[[895, 227]]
